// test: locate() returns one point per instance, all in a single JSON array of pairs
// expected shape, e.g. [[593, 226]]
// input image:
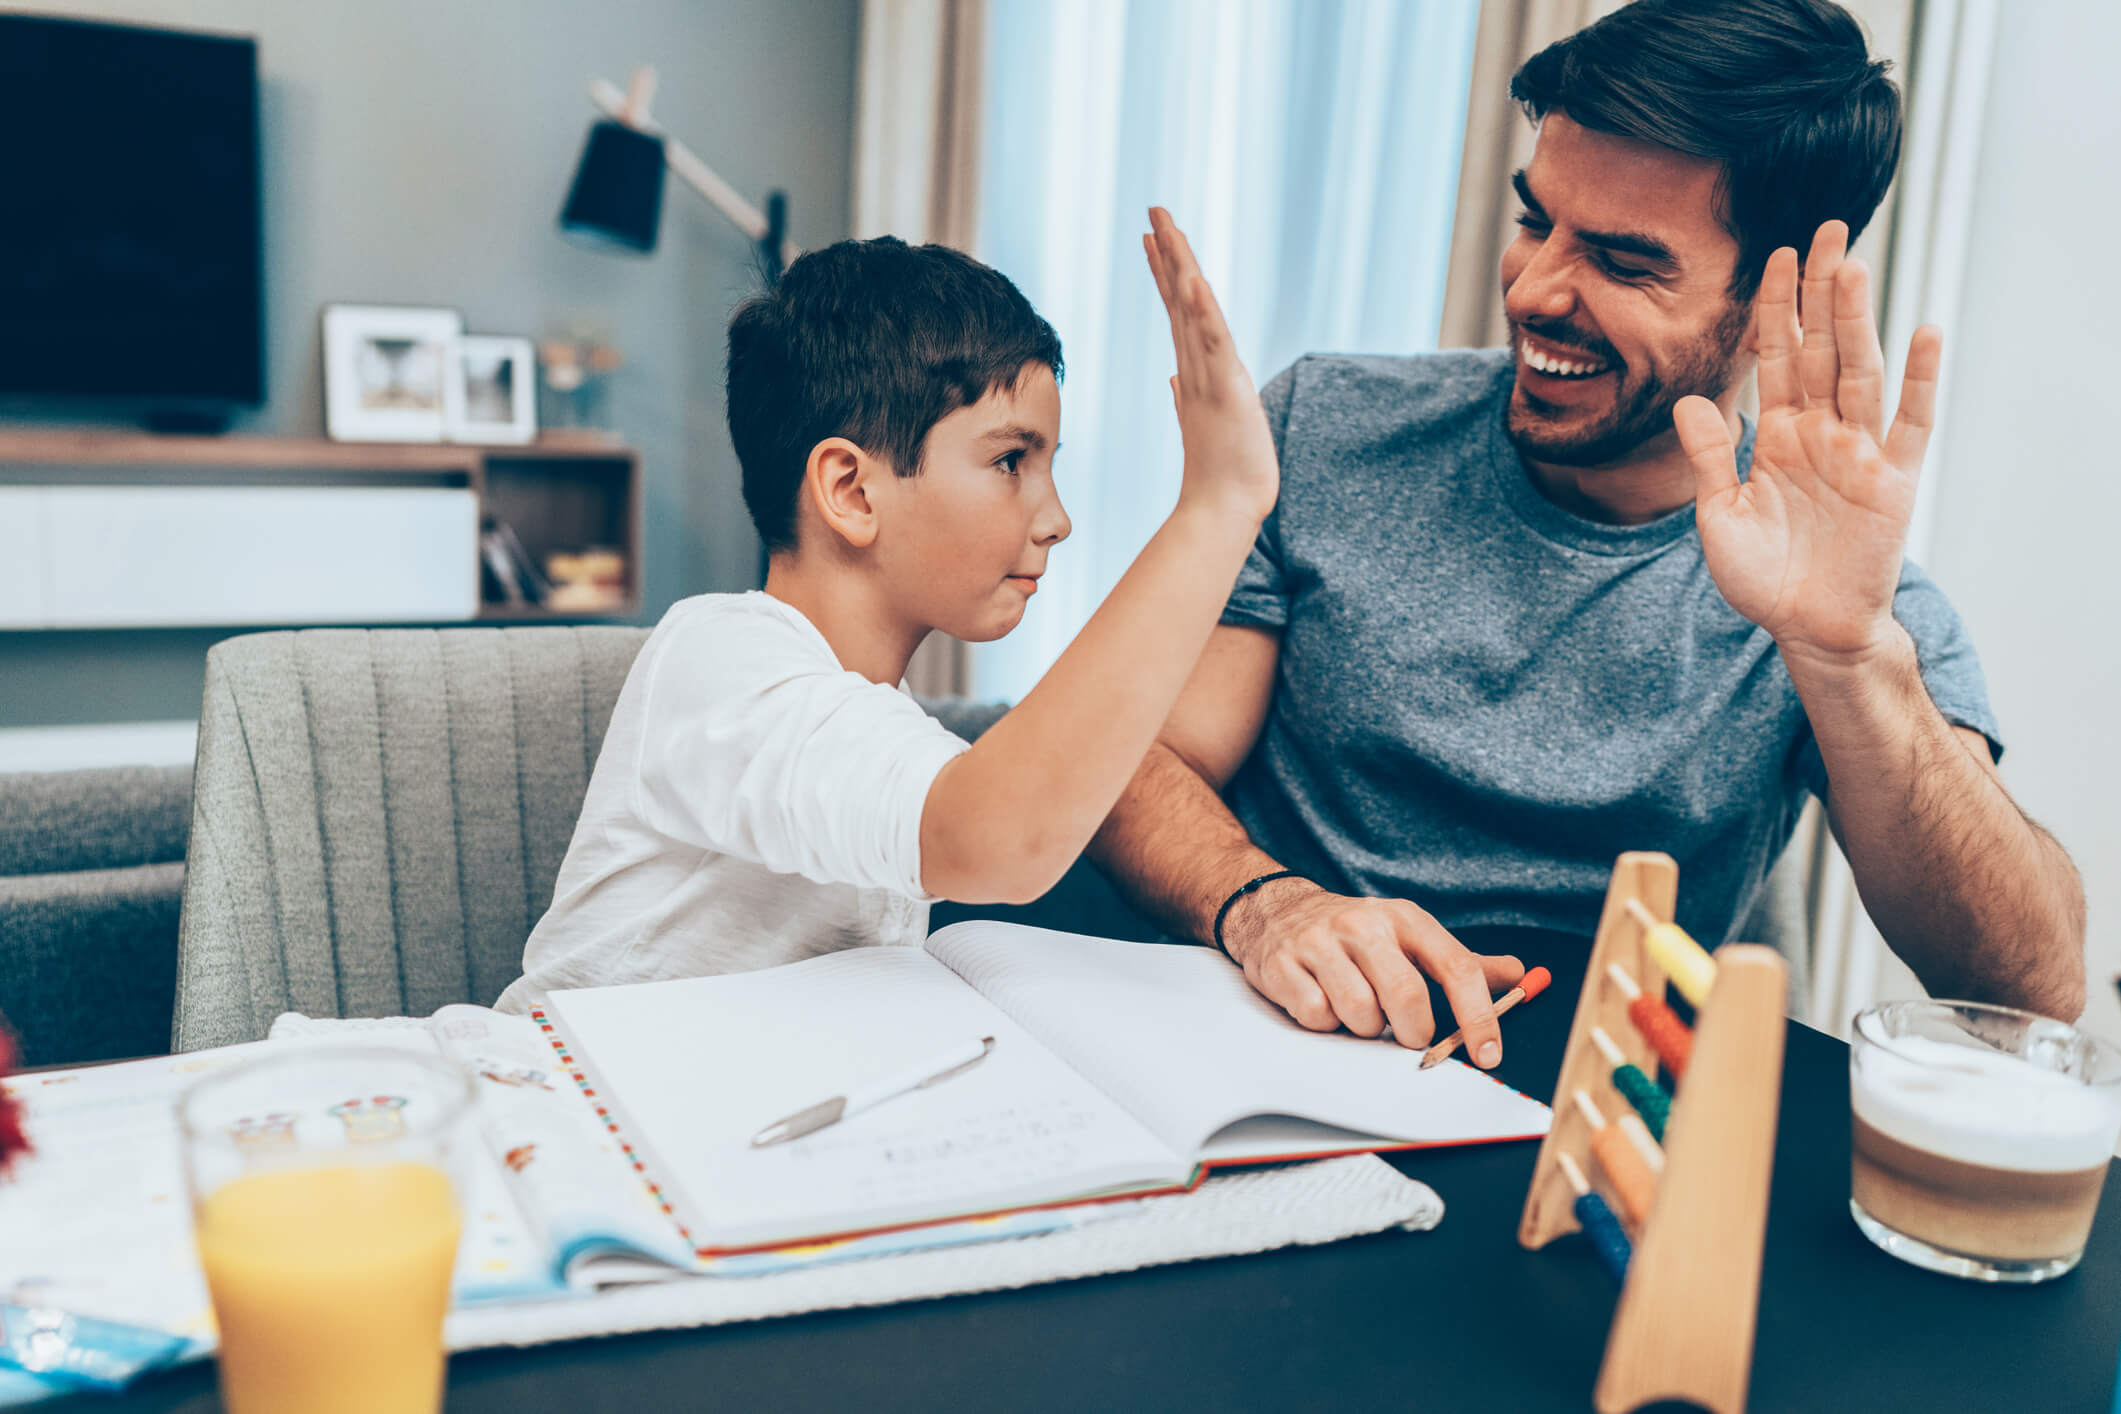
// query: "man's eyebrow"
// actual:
[[1621, 242], [1524, 193], [1016, 436]]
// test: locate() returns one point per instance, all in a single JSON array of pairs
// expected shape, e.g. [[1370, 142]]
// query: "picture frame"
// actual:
[[386, 372], [491, 392]]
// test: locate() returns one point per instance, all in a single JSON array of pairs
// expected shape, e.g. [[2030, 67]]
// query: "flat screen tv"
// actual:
[[130, 263]]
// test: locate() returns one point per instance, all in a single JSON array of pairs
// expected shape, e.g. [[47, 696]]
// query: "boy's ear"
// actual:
[[837, 479]]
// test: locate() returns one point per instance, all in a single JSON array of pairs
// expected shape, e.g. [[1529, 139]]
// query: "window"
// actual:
[[1310, 149]]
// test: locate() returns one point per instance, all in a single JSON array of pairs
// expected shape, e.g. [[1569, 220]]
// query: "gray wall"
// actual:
[[416, 152]]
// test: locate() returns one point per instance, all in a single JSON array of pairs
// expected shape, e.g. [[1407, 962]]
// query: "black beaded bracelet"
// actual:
[[1242, 889]]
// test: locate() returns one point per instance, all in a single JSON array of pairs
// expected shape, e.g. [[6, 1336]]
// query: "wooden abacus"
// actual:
[[1690, 1291]]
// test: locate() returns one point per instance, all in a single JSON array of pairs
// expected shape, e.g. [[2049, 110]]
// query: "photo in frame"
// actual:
[[491, 391], [386, 372]]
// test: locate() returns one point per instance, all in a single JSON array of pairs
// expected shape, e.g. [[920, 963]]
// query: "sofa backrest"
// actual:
[[379, 816], [91, 867]]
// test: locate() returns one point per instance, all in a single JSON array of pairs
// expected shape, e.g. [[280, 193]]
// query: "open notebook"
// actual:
[[1118, 1068]]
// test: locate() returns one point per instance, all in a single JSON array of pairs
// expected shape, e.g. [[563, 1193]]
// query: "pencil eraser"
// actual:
[[1535, 982]]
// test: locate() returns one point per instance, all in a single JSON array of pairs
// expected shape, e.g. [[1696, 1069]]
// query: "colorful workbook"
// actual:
[[1117, 1068], [95, 1221]]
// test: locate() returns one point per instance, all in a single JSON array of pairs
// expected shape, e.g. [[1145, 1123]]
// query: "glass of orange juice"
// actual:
[[327, 1224]]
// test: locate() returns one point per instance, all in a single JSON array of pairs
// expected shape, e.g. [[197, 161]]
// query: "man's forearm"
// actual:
[[1175, 847], [1978, 899]]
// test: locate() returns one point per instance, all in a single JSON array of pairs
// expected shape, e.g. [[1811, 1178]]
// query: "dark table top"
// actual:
[[1458, 1319]]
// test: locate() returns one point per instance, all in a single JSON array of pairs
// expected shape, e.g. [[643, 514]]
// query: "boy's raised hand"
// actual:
[[1230, 461]]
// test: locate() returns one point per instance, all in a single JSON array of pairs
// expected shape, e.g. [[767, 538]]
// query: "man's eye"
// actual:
[[1532, 223], [1619, 271]]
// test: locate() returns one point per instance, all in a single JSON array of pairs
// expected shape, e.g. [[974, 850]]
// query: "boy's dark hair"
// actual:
[[1783, 93], [875, 341]]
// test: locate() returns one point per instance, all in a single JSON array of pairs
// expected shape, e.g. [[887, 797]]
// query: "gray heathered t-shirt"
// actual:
[[1482, 698]]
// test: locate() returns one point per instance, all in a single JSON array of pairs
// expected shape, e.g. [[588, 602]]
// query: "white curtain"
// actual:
[[1310, 149], [1923, 269], [916, 172]]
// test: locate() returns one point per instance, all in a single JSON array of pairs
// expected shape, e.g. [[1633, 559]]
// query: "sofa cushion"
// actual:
[[88, 962], [57, 822]]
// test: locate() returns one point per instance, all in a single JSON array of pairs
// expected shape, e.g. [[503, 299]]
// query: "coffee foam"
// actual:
[[1982, 1107]]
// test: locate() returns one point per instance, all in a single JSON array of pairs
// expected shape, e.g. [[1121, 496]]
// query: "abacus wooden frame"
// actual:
[[1684, 1325]]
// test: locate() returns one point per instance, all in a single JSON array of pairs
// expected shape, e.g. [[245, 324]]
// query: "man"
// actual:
[[1520, 610]]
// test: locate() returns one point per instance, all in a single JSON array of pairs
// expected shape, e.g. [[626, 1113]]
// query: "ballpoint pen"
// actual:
[[920, 1076]]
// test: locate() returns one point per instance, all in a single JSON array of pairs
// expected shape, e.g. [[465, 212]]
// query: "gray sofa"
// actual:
[[91, 868]]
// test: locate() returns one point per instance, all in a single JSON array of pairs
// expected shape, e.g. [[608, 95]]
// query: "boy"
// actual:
[[766, 791]]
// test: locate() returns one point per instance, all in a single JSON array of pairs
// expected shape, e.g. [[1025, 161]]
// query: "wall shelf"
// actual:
[[121, 529]]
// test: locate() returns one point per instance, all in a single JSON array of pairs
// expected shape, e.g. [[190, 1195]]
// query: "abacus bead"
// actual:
[[1608, 1239], [1626, 1171], [1668, 1036], [1682, 960], [1646, 1095]]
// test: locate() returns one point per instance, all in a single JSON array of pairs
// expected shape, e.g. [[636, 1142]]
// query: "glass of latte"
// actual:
[[1981, 1136]]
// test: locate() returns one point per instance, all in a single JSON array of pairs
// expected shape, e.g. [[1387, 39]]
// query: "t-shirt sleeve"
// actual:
[[1260, 599], [1951, 670], [754, 743]]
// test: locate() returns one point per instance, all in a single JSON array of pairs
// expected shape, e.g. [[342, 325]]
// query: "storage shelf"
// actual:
[[64, 447], [565, 494]]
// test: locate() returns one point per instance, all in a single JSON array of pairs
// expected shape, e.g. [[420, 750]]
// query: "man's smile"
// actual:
[[1558, 362]]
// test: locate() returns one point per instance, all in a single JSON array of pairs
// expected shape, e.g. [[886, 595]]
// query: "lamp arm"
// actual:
[[703, 179]]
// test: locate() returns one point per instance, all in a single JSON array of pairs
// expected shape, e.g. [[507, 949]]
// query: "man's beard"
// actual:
[[1641, 410]]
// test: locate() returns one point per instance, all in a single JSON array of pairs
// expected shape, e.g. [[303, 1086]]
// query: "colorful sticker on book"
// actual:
[[371, 1120]]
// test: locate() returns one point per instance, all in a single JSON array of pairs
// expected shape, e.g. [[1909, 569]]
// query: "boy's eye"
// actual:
[[1010, 461]]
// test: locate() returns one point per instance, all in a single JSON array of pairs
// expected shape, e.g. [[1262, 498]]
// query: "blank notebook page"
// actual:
[[698, 1066], [1179, 1037]]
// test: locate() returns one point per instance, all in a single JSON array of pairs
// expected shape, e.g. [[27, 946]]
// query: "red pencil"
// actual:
[[1533, 984]]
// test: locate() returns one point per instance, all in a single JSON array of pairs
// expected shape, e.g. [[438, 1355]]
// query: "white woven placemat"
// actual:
[[1302, 1204]]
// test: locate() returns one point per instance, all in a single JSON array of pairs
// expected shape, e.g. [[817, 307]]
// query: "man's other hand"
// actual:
[[1332, 961]]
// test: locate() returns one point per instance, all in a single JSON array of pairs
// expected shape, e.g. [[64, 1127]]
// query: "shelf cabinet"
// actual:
[[129, 531]]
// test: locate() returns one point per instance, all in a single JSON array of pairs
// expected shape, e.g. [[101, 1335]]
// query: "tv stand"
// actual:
[[188, 422], [103, 529]]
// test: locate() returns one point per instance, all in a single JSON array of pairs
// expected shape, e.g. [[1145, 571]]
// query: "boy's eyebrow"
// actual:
[[1625, 242], [1017, 436]]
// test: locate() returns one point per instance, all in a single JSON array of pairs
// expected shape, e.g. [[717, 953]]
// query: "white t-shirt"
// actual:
[[754, 803]]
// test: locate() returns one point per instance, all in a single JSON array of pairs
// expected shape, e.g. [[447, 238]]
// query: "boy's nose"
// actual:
[[1051, 525]]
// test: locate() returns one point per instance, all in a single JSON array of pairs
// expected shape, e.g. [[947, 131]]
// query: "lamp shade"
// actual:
[[616, 201]]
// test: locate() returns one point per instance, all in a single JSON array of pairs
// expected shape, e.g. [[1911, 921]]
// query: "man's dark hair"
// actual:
[[875, 341], [1783, 93]]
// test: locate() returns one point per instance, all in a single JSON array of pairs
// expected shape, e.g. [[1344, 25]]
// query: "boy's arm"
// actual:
[[1004, 820], [1326, 959]]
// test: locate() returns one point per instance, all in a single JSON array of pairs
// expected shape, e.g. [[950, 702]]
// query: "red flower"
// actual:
[[12, 1140]]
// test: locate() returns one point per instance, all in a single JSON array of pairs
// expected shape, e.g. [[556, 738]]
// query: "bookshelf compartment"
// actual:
[[566, 504]]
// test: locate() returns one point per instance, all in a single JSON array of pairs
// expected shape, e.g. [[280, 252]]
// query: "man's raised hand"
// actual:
[[1809, 545], [1229, 450]]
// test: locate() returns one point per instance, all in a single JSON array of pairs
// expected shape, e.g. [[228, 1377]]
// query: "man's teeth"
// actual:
[[1560, 367]]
